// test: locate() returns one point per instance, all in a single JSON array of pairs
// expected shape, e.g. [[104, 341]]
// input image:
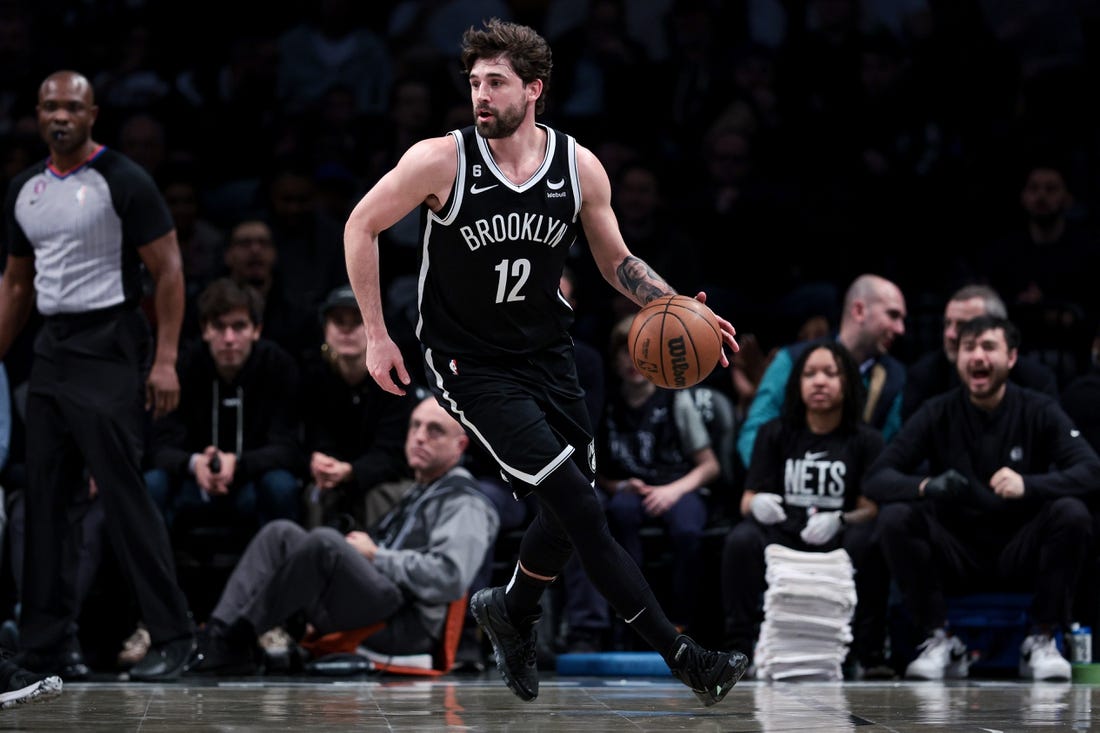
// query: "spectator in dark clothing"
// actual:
[[601, 70], [1045, 268], [1000, 504], [933, 374], [1053, 256], [804, 491], [202, 244], [251, 259], [309, 243], [354, 429], [232, 447], [1081, 399], [657, 466]]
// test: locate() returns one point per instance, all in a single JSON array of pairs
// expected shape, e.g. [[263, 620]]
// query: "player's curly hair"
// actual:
[[525, 49]]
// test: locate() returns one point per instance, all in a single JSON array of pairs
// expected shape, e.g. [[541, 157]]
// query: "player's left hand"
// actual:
[[162, 389], [728, 331], [1007, 484]]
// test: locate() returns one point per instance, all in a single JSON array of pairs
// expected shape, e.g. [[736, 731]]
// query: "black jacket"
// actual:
[[1028, 432], [359, 423], [256, 416]]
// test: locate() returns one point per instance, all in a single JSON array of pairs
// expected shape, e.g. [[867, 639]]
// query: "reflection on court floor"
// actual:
[[564, 704]]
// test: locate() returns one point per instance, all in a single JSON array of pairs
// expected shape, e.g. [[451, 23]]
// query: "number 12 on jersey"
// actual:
[[514, 273]]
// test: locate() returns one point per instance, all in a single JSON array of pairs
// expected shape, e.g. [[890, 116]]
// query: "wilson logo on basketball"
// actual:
[[677, 351], [675, 341]]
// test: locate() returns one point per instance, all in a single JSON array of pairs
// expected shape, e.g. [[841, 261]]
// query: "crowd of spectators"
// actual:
[[784, 140], [768, 153]]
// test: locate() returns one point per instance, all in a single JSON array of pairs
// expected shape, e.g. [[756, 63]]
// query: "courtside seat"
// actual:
[[342, 644]]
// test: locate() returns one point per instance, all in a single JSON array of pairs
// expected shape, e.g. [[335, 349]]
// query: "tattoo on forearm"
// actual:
[[640, 279]]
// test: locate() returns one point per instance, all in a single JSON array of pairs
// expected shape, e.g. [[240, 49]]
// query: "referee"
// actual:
[[79, 225]]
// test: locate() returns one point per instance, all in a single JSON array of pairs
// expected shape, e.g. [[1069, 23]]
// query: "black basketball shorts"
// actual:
[[528, 412]]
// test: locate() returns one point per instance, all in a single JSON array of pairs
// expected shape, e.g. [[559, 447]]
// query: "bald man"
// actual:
[[79, 225], [872, 319], [404, 571]]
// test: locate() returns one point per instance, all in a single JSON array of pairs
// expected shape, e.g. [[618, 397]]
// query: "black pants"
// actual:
[[85, 409], [1045, 555], [89, 516]]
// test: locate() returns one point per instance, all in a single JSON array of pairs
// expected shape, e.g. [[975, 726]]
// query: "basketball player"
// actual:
[[502, 201]]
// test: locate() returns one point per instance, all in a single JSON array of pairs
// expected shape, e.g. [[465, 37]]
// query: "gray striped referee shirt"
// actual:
[[83, 228]]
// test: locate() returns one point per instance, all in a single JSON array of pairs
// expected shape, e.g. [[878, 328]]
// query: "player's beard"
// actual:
[[503, 123]]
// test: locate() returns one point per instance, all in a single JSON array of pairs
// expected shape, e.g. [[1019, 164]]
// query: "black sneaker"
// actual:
[[164, 662], [68, 664], [515, 654], [710, 675], [219, 654], [19, 686]]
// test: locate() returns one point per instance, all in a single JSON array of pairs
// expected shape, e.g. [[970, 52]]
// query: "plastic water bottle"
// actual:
[[1080, 644]]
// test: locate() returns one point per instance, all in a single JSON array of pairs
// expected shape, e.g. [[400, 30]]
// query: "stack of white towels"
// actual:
[[808, 609]]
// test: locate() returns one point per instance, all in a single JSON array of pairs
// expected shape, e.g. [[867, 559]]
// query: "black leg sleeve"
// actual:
[[569, 502]]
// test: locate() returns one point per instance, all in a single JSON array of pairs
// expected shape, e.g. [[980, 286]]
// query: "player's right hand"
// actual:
[[768, 508], [383, 361], [729, 333]]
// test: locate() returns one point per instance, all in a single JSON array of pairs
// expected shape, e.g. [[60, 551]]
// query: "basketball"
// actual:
[[675, 341]]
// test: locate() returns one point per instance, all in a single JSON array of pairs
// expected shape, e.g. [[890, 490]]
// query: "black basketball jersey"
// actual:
[[491, 259]]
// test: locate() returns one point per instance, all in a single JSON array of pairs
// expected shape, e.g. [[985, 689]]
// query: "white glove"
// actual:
[[821, 527], [767, 508]]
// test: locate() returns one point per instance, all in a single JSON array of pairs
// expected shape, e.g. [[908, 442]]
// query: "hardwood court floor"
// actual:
[[564, 704]]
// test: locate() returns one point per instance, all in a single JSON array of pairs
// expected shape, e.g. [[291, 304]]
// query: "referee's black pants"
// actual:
[[85, 408]]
